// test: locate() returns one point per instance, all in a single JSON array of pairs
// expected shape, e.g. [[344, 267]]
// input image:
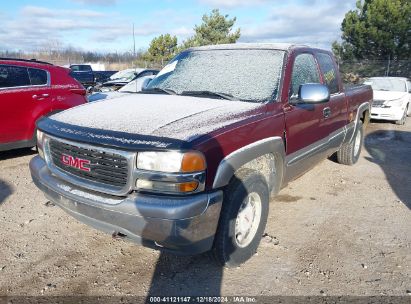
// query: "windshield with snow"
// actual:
[[387, 84], [245, 75], [125, 75]]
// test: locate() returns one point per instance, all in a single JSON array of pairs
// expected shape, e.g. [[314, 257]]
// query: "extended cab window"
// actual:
[[13, 76], [37, 77], [328, 69], [81, 68], [304, 71]]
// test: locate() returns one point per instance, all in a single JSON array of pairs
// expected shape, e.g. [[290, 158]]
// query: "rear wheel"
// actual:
[[350, 153], [243, 219]]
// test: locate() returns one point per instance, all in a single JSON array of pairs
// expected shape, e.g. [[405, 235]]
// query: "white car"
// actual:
[[132, 87], [392, 98]]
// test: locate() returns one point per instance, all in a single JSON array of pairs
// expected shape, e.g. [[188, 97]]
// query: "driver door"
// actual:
[[307, 139]]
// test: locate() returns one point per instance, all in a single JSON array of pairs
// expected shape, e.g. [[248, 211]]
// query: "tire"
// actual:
[[350, 153], [247, 188], [404, 117]]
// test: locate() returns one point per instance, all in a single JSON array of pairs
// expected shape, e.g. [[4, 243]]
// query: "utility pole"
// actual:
[[134, 43], [134, 48], [388, 67]]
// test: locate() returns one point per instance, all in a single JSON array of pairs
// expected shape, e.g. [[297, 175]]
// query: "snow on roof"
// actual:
[[389, 77], [273, 46]]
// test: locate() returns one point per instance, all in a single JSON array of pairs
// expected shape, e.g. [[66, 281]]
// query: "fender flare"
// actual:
[[365, 106], [235, 160]]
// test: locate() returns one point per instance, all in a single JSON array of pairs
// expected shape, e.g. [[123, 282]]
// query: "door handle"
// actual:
[[41, 96], [327, 112]]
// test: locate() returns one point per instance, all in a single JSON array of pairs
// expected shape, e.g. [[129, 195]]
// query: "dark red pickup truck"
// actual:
[[188, 165]]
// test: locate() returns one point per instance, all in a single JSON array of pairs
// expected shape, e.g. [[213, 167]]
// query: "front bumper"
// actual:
[[184, 225], [392, 113]]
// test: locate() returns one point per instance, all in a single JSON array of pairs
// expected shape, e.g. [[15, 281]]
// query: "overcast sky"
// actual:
[[106, 25]]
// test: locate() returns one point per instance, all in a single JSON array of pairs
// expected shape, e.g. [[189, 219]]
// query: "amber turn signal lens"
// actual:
[[188, 187], [192, 162]]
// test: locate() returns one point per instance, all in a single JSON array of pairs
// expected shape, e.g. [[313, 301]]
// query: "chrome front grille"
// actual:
[[95, 168]]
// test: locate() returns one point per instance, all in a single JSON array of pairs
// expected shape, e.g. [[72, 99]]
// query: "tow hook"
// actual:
[[118, 235]]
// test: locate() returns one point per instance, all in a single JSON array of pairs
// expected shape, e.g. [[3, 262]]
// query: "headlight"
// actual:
[[171, 162], [171, 172], [40, 143], [393, 103]]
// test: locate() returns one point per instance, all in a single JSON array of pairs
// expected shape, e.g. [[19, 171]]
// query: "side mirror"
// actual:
[[313, 93]]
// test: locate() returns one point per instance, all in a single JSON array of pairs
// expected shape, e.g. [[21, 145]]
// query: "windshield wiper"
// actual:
[[209, 93], [159, 90]]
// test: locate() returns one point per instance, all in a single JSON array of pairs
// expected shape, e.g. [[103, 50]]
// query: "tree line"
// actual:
[[214, 29]]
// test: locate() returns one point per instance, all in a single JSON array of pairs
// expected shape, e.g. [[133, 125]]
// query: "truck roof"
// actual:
[[271, 46], [390, 77]]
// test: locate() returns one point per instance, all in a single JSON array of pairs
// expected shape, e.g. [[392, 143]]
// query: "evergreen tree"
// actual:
[[215, 29], [377, 29], [162, 48]]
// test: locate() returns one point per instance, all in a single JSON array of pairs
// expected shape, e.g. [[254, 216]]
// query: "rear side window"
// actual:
[[328, 70], [37, 77], [13, 76], [304, 71], [81, 68]]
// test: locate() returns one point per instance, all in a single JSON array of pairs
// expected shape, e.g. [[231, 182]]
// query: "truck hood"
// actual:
[[155, 120], [388, 95]]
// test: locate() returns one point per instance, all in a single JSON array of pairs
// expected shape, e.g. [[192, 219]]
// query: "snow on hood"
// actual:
[[388, 95], [178, 117]]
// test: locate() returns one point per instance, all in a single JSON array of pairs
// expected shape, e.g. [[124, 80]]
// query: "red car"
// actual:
[[30, 90]]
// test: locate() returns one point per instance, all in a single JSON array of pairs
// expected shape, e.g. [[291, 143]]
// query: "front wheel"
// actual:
[[243, 219], [350, 153]]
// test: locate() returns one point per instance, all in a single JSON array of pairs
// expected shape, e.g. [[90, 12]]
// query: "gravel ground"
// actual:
[[337, 230]]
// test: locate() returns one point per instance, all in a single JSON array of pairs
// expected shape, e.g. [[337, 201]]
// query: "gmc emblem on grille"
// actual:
[[75, 162]]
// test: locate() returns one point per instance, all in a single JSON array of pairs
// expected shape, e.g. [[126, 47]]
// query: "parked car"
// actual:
[[103, 76], [392, 98], [132, 87], [30, 90], [122, 78], [83, 73], [188, 164]]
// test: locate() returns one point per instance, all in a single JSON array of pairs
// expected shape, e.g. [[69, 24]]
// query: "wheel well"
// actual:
[[365, 118], [269, 166]]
